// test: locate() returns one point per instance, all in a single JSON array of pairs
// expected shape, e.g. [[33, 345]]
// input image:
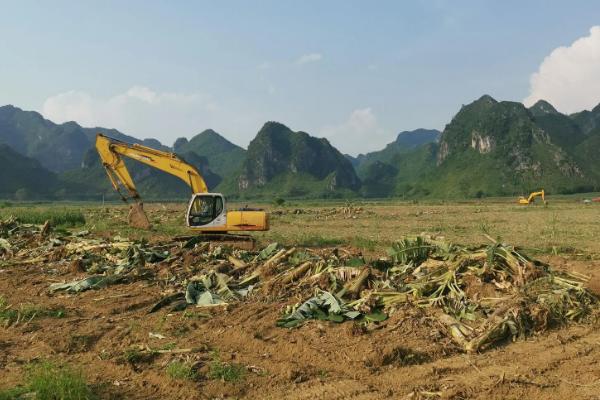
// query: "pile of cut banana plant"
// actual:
[[480, 295]]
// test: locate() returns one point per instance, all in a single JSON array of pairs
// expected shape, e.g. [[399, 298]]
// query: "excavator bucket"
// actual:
[[137, 218]]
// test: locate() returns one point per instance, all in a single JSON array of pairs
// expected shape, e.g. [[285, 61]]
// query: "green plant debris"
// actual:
[[323, 306], [318, 241], [482, 294], [92, 282]]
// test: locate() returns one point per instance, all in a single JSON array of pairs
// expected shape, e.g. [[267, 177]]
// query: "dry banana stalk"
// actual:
[[353, 289], [297, 273]]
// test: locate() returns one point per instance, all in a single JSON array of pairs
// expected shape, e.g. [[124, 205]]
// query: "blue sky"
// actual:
[[356, 72]]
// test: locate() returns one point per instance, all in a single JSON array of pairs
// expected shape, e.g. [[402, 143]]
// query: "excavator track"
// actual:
[[245, 242]]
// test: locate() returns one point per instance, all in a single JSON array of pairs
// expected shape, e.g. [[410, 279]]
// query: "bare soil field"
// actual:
[[237, 351]]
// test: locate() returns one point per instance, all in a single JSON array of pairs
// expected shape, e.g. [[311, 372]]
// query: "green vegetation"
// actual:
[[363, 243], [58, 217], [277, 153], [489, 148], [25, 312], [50, 381], [227, 372], [181, 370], [24, 178], [133, 356], [13, 393], [405, 142], [492, 148], [224, 158], [318, 241], [57, 147]]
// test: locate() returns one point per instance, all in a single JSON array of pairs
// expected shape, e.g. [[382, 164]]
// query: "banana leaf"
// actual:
[[411, 251], [324, 306], [268, 251], [92, 282]]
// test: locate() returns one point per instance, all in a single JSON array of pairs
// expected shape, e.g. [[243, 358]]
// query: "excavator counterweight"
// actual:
[[206, 212]]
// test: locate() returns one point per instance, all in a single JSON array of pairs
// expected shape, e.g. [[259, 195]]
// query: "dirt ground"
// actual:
[[406, 356]]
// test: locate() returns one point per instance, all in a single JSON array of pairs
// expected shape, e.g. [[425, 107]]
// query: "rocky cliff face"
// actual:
[[276, 150], [58, 147], [488, 126], [522, 145], [483, 144]]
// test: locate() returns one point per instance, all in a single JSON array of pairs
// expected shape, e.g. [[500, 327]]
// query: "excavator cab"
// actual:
[[206, 210]]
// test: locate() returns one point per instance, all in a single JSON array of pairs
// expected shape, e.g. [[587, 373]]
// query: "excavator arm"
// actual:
[[532, 196], [206, 212], [112, 150], [111, 153]]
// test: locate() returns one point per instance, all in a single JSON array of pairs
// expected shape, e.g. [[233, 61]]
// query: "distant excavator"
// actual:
[[531, 198], [206, 212]]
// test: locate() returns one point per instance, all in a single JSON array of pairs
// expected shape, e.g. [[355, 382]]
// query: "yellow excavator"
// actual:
[[206, 212], [531, 198]]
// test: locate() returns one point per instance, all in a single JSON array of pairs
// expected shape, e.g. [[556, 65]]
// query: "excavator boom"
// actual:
[[111, 150]]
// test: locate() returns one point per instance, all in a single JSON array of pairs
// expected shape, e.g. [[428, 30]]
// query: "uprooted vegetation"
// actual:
[[145, 318], [481, 295]]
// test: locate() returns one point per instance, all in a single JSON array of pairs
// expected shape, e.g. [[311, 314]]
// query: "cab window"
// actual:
[[205, 209], [218, 206]]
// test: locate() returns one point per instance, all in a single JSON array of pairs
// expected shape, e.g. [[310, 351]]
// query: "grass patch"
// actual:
[[318, 241], [25, 312], [50, 381], [364, 243], [57, 217], [227, 372], [182, 371], [194, 315], [13, 393]]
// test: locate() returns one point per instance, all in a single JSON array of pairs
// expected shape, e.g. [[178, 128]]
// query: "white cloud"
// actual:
[[139, 111], [360, 133], [309, 58], [569, 78]]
